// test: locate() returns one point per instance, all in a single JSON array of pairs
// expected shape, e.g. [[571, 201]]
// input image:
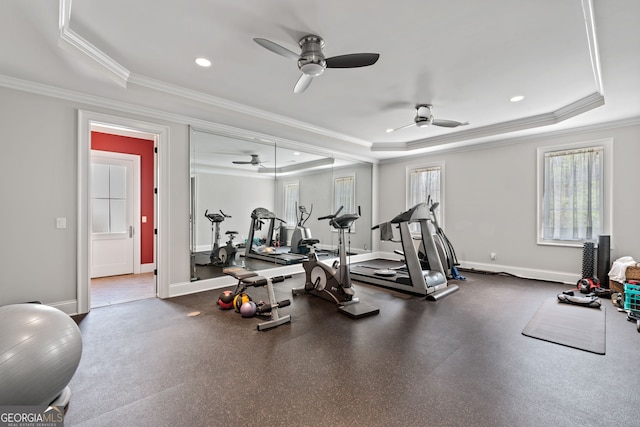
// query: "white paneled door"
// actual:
[[113, 206]]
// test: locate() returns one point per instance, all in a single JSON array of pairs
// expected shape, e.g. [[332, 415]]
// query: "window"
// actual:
[[572, 202], [291, 200], [108, 198], [344, 194], [422, 182]]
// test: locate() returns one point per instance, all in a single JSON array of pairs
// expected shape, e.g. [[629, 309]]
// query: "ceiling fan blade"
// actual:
[[238, 162], [352, 60], [447, 123], [276, 48], [303, 83], [400, 128]]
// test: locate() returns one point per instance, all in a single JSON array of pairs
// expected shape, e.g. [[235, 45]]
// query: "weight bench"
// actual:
[[248, 278]]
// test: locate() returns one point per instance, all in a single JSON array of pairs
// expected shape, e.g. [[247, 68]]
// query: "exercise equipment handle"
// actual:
[[223, 214], [331, 216], [278, 279], [265, 308]]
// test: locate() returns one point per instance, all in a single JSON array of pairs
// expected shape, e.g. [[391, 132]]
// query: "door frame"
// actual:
[[135, 159], [89, 121]]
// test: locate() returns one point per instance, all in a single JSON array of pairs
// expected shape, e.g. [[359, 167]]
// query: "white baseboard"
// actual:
[[186, 288], [528, 273], [69, 307], [147, 268]]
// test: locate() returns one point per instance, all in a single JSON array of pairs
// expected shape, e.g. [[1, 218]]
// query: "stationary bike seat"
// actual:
[[308, 242], [231, 232]]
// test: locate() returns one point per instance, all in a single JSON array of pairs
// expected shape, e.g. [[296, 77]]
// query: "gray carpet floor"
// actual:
[[460, 361]]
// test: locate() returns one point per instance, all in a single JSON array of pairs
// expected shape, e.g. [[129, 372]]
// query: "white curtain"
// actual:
[[291, 194], [573, 199], [344, 192], [424, 182]]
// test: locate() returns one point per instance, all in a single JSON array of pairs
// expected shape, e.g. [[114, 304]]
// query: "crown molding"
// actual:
[[299, 166], [590, 26], [199, 124], [208, 169], [630, 121], [570, 110], [225, 104], [123, 76], [69, 37]]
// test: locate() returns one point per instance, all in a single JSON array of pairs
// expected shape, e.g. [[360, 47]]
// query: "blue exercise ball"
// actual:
[[40, 349]]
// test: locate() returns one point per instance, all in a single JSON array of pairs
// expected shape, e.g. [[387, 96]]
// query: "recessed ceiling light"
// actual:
[[389, 130], [296, 153], [517, 98], [203, 62]]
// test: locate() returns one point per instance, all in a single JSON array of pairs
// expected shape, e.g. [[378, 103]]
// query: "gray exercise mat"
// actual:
[[574, 326]]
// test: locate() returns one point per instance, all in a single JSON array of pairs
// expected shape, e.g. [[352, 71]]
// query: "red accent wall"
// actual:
[[144, 149]]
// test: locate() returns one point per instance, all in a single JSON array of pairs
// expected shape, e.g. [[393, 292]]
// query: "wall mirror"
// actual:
[[252, 201]]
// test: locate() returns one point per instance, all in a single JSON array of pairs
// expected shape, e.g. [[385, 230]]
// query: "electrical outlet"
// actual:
[[61, 222], [493, 256]]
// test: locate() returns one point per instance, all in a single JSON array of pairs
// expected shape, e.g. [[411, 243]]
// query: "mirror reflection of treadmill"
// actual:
[[419, 274], [261, 217]]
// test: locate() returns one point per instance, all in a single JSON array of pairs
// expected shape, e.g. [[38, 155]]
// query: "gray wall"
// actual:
[[317, 187], [38, 172], [490, 200], [38, 184], [237, 196], [490, 203]]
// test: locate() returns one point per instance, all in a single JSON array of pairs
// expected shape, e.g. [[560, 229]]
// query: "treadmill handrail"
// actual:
[[262, 213], [417, 213], [332, 215]]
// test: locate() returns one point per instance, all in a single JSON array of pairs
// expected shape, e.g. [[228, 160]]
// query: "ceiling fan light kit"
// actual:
[[424, 118], [311, 62]]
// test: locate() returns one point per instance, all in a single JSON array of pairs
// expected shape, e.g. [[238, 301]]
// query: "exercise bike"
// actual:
[[301, 232], [221, 255], [333, 283]]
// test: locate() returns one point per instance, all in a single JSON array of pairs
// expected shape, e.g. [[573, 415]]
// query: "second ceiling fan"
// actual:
[[311, 60], [424, 117]]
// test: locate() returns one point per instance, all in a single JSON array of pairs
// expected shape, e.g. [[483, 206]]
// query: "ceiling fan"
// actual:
[[255, 161], [424, 118], [311, 60]]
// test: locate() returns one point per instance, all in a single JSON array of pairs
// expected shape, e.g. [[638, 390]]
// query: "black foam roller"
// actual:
[[588, 253], [604, 260]]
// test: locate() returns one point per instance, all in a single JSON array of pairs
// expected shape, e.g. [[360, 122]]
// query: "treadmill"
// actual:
[[425, 277], [260, 216]]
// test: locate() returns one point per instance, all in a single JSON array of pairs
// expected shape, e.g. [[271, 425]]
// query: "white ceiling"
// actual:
[[577, 63]]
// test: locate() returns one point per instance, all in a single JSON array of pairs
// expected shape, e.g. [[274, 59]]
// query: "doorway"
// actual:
[[146, 279], [116, 221]]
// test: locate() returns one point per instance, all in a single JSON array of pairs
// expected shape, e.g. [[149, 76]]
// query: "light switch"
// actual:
[[144, 219], [61, 222]]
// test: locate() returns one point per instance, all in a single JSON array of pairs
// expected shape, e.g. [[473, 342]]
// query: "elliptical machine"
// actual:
[[445, 248], [301, 232], [333, 283], [221, 255]]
